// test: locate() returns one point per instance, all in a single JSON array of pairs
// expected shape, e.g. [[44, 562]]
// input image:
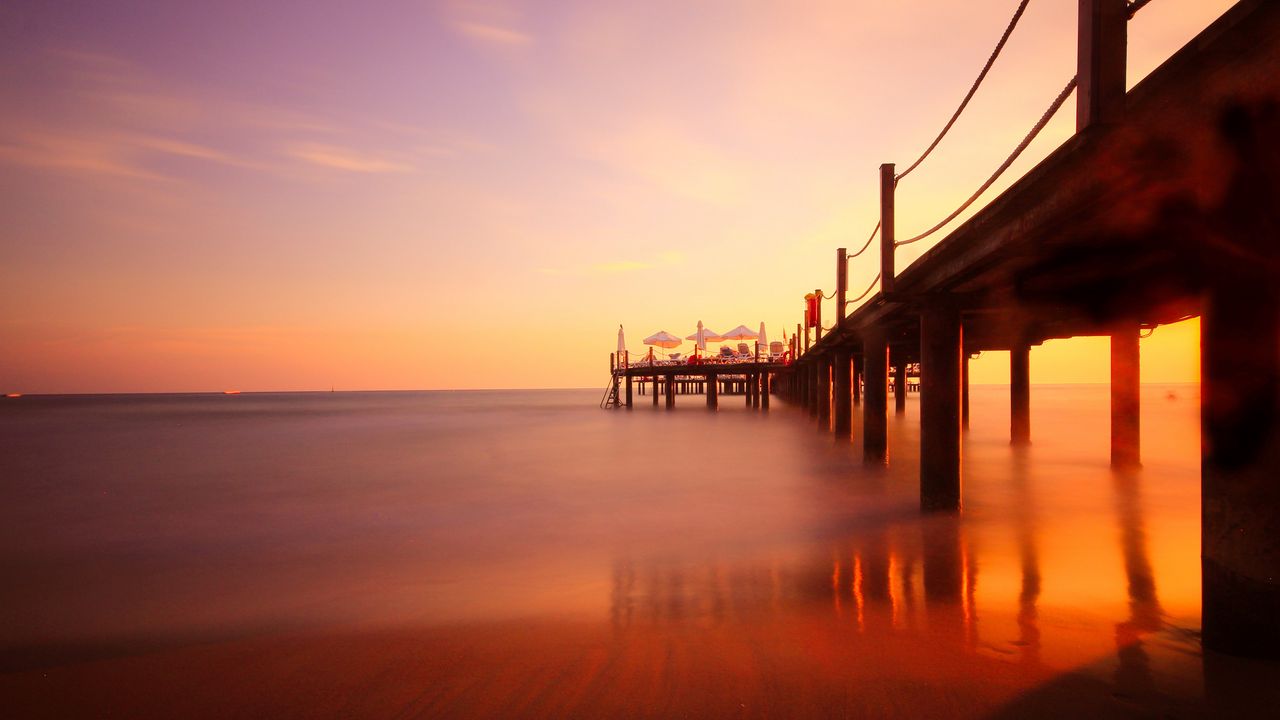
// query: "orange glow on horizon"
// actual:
[[489, 221]]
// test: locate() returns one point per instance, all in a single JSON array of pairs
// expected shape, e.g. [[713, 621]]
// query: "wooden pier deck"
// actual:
[[1164, 205]]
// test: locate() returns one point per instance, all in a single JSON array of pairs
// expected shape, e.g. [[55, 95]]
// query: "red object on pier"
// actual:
[[811, 310]]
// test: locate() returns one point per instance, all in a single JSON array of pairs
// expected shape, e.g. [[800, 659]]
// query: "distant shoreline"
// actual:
[[222, 393]]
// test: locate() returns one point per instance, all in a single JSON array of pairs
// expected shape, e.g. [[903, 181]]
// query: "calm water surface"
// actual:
[[509, 554]]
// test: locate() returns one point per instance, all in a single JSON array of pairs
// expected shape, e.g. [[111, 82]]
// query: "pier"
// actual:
[[1164, 205]]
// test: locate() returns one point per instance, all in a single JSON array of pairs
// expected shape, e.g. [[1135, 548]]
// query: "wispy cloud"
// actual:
[[72, 153], [493, 33], [488, 22], [127, 120], [347, 159]]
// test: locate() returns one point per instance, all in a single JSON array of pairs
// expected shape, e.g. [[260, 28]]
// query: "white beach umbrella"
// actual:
[[663, 339], [742, 332], [622, 343], [764, 339], [704, 335]]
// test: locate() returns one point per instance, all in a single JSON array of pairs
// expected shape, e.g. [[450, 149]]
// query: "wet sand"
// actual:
[[464, 556]]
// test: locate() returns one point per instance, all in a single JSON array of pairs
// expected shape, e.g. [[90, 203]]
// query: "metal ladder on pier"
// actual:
[[610, 399]]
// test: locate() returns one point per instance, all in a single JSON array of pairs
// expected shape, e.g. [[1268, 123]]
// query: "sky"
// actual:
[[199, 196]]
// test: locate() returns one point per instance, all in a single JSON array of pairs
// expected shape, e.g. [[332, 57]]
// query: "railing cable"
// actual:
[[866, 292], [1044, 120], [867, 244], [973, 89]]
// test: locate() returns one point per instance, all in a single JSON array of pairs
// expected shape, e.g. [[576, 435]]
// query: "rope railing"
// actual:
[[1044, 120], [867, 244], [1022, 6], [866, 292]]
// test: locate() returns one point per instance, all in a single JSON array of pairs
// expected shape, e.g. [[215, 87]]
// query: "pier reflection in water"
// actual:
[[660, 564]]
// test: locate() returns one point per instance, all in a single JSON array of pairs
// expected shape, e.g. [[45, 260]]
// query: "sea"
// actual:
[[512, 554]]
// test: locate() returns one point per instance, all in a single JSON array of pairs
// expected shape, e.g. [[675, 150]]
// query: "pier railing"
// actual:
[[1098, 104]]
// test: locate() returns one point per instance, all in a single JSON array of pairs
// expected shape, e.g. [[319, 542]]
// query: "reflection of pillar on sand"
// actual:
[[1133, 676], [1029, 557]]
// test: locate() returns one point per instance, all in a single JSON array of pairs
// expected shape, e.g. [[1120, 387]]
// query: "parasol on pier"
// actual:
[[742, 332], [704, 335], [663, 339], [764, 339], [622, 342]]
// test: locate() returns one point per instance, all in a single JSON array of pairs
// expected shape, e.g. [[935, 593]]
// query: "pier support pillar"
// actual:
[[841, 376], [655, 391], [749, 389], [824, 389], [1125, 412], [875, 410], [964, 391], [671, 391], [858, 373], [628, 392], [764, 390], [813, 387], [713, 391], [941, 360], [900, 386], [1240, 464], [1020, 394]]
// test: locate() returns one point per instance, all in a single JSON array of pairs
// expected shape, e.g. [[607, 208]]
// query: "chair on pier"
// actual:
[[776, 350], [676, 357], [726, 352], [744, 351]]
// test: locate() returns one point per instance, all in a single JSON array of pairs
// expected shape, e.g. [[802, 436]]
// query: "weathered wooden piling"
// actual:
[[713, 391], [900, 386], [859, 373], [842, 398], [1240, 465], [814, 388], [1020, 394], [964, 391], [628, 384], [824, 390], [941, 350], [1125, 407], [875, 410]]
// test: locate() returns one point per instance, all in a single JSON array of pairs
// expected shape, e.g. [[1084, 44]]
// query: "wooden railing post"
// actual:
[[817, 315], [842, 282], [886, 228], [1100, 62]]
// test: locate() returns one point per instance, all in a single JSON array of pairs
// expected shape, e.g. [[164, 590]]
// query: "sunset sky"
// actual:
[[398, 195]]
